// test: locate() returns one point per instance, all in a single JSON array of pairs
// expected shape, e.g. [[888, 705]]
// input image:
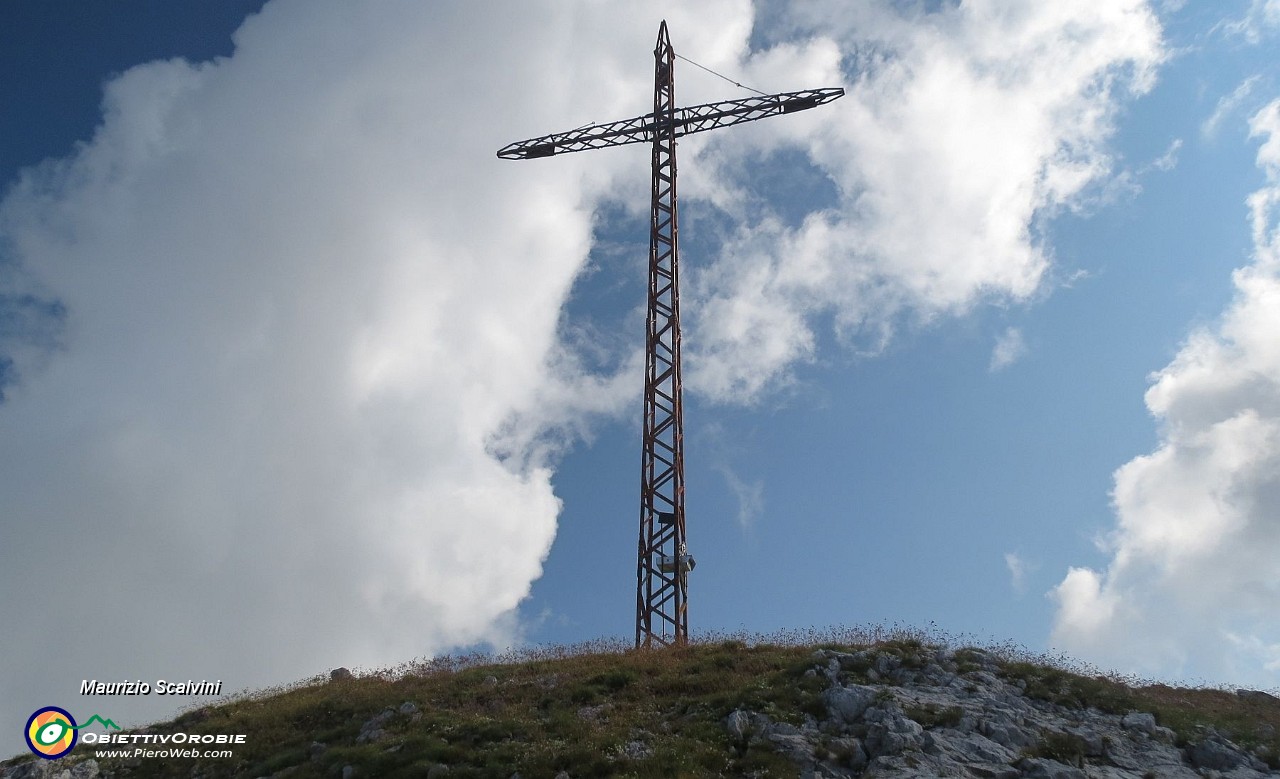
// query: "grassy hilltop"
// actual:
[[602, 710]]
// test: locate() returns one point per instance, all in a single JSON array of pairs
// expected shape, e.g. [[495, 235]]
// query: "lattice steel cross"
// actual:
[[662, 614]]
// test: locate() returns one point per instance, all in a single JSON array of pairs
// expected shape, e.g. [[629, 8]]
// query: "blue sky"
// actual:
[[303, 376]]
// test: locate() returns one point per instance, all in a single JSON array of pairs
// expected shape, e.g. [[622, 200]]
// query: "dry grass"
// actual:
[[580, 708]]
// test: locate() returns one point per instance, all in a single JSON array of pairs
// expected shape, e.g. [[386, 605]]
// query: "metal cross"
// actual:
[[662, 614]]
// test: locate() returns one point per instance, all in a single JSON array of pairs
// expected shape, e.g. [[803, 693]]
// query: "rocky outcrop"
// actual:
[[938, 714], [47, 769]]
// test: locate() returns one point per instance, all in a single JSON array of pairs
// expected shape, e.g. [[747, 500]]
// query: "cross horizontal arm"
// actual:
[[693, 119]]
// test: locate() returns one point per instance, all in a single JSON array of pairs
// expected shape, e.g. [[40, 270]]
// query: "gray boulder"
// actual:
[[1041, 768], [374, 730], [636, 750], [738, 724], [1216, 754], [1004, 729], [1139, 722], [847, 704], [795, 746], [889, 731], [967, 748], [53, 769], [848, 751], [35, 769]]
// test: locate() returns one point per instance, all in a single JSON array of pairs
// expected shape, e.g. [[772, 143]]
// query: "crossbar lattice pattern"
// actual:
[[676, 123], [662, 615]]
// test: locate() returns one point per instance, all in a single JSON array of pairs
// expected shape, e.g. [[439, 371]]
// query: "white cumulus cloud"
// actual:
[[1193, 581], [961, 128], [299, 415]]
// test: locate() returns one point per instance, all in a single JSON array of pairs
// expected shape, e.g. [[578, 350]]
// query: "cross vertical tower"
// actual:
[[662, 614]]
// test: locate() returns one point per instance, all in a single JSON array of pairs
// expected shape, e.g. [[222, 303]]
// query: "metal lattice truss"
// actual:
[[662, 614], [684, 121]]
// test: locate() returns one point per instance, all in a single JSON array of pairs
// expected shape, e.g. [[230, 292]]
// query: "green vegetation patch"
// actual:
[[1071, 690], [934, 716], [602, 709], [1066, 748]]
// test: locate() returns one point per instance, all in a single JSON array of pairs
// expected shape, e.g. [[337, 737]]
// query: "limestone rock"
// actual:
[[374, 729], [1139, 722], [53, 769], [795, 746], [738, 723], [636, 750], [1037, 768], [889, 731], [849, 752], [1217, 754], [953, 714], [849, 703]]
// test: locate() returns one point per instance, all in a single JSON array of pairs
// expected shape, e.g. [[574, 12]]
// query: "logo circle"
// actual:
[[51, 732]]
